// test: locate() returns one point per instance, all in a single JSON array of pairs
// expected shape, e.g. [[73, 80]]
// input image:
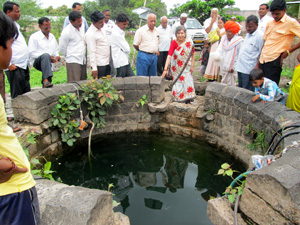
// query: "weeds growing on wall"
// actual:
[[98, 95], [37, 168], [259, 139]]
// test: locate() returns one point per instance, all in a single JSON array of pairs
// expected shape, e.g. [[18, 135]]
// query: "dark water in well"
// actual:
[[159, 180]]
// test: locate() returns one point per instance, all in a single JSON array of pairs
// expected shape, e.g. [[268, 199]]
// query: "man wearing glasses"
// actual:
[[43, 51]]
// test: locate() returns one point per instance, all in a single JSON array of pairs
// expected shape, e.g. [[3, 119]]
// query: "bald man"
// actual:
[[165, 34], [146, 41]]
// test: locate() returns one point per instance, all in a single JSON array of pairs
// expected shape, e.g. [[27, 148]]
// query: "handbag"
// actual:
[[213, 36]]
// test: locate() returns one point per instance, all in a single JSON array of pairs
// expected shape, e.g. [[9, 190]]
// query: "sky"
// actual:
[[242, 4]]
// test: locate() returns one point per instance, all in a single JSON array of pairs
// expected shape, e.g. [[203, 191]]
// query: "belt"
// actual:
[[148, 53]]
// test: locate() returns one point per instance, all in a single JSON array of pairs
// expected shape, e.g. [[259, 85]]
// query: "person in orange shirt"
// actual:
[[278, 37]]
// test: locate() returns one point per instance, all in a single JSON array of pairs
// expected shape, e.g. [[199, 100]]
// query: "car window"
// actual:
[[193, 24]]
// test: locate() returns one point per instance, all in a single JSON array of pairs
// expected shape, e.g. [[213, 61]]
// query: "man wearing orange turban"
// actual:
[[227, 53], [232, 26]]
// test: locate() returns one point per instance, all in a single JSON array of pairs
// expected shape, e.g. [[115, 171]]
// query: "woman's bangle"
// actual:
[[288, 52], [165, 69]]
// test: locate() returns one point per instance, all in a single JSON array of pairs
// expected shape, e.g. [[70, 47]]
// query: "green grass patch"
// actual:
[[287, 72]]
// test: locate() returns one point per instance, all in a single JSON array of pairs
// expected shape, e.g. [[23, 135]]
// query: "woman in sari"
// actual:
[[212, 70], [181, 56]]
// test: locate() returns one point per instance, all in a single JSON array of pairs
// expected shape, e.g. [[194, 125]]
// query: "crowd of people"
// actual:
[[255, 62]]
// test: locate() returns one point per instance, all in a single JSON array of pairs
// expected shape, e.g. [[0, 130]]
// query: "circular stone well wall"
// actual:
[[220, 115]]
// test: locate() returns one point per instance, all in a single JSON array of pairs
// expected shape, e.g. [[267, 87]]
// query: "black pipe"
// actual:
[[284, 136], [281, 129]]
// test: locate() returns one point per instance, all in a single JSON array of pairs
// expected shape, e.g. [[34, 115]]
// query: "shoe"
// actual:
[[47, 84]]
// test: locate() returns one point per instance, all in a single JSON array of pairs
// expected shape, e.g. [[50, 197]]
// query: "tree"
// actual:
[[201, 9], [293, 9], [175, 11]]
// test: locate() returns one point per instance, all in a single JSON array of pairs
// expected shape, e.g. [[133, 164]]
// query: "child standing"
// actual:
[[293, 101], [18, 196], [265, 89], [205, 57]]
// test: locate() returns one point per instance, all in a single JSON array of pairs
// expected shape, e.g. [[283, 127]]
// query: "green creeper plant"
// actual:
[[230, 191], [143, 100], [62, 117], [99, 96]]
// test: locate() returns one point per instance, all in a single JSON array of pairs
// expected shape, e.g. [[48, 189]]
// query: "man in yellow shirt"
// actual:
[[18, 197], [278, 37]]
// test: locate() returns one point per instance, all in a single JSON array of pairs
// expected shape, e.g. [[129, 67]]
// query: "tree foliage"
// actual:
[[201, 9], [292, 9]]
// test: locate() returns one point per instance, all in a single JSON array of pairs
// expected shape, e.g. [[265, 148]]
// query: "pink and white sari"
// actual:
[[183, 89]]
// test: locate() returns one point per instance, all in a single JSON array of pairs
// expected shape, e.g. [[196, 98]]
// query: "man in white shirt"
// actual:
[[43, 51], [98, 46], [165, 34], [146, 41], [263, 17], [182, 21], [211, 23], [108, 27], [77, 7], [72, 46], [120, 49], [18, 71]]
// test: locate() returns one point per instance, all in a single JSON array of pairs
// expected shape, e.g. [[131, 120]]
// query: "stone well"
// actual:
[[219, 115]]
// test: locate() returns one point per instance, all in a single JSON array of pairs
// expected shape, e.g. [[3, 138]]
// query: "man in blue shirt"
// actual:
[[250, 52]]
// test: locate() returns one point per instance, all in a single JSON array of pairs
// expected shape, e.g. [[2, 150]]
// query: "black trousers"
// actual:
[[125, 71], [103, 71], [19, 81], [161, 61], [272, 70], [43, 63]]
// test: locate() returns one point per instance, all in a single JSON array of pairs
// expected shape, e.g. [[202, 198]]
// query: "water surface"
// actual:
[[158, 179]]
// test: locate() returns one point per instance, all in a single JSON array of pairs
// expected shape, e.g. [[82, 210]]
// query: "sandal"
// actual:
[[15, 128], [47, 84]]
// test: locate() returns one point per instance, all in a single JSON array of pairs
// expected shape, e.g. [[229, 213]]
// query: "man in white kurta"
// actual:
[[43, 51], [263, 18], [120, 49], [72, 46], [165, 34], [98, 46]]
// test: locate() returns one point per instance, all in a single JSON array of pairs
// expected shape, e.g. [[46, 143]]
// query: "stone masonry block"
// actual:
[[243, 99], [127, 107], [156, 83], [131, 96], [114, 110], [130, 83], [157, 95], [30, 100], [118, 83], [63, 204], [214, 90], [229, 93], [142, 83]]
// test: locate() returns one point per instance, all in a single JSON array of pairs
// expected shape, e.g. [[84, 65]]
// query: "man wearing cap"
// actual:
[[146, 41], [278, 38], [181, 22], [228, 51]]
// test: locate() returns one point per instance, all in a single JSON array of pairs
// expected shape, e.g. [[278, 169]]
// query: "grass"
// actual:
[[59, 77], [287, 72]]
